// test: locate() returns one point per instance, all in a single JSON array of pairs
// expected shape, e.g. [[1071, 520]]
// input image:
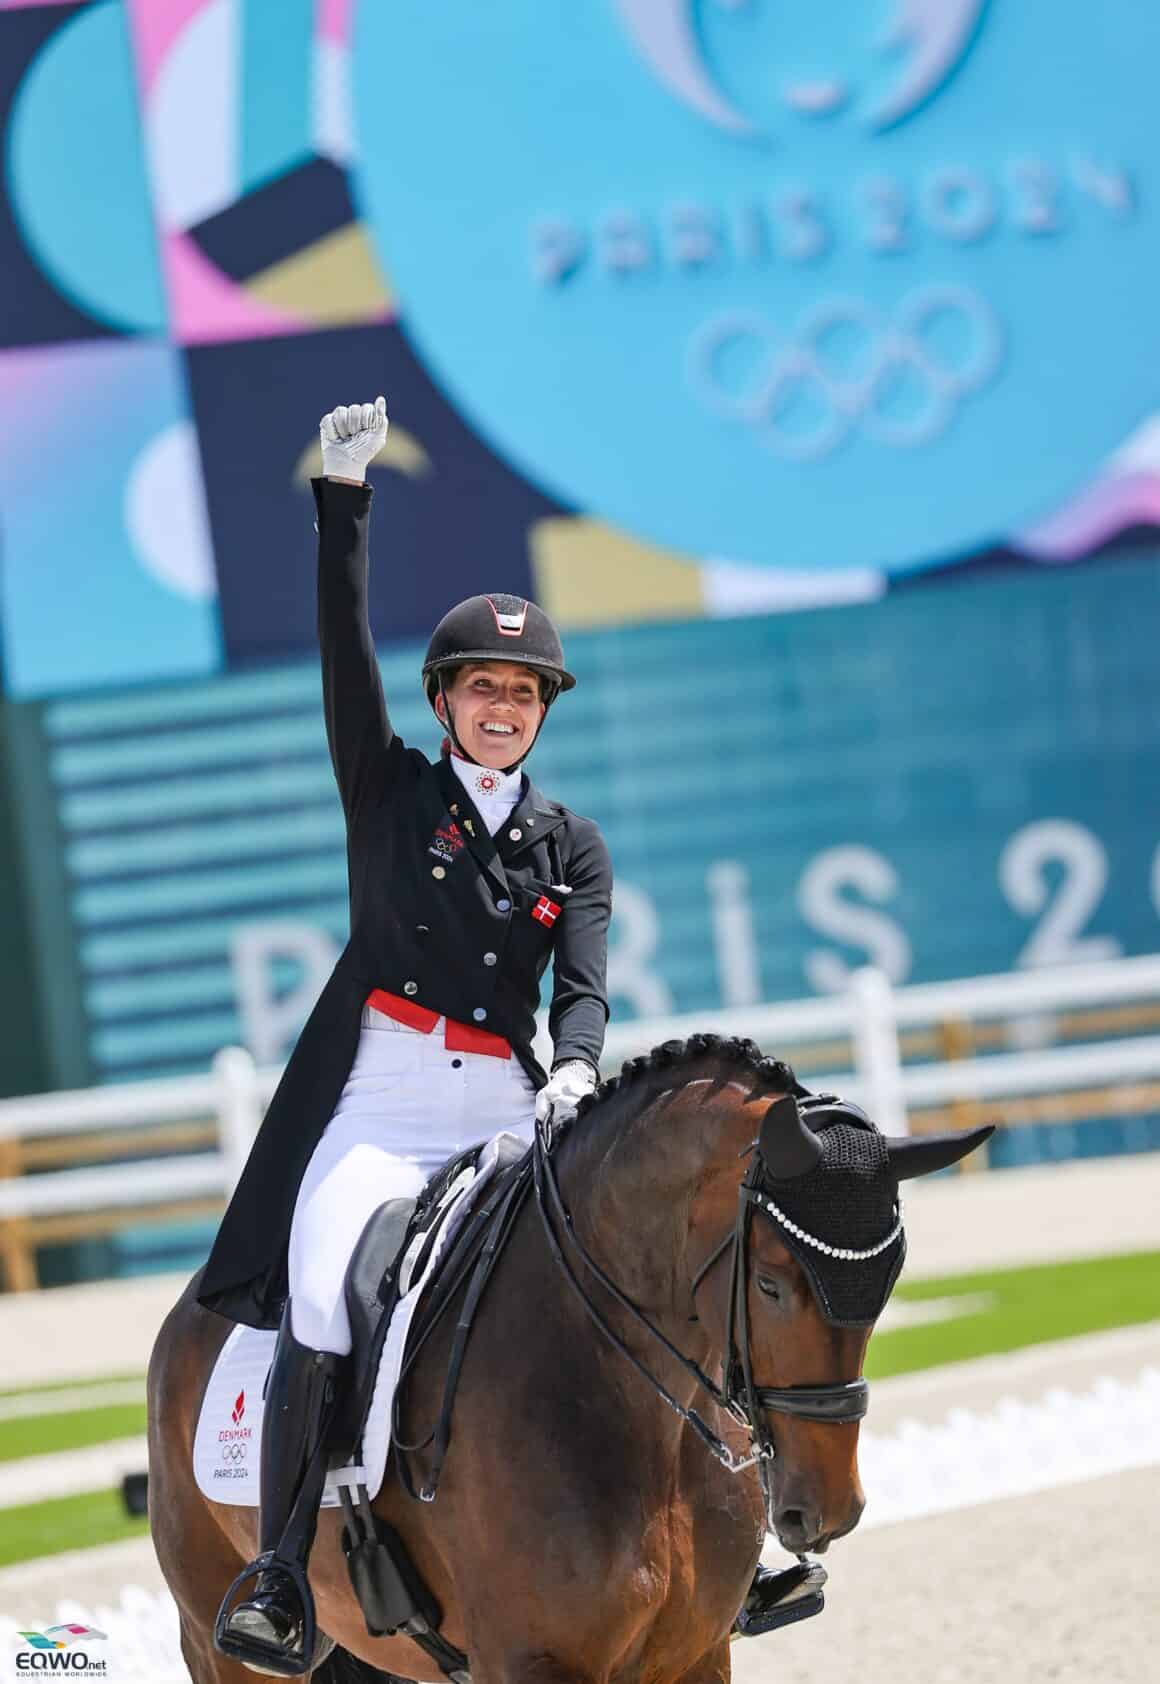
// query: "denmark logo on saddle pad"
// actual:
[[229, 1429]]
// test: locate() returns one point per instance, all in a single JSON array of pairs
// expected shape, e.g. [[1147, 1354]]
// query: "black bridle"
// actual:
[[739, 1395]]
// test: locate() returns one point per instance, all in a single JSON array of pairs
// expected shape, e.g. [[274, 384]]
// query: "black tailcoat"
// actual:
[[439, 911]]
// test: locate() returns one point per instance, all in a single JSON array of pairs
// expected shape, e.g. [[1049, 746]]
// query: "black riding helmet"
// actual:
[[496, 628]]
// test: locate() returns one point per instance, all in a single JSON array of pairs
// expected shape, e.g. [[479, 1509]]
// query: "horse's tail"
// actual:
[[341, 1667]]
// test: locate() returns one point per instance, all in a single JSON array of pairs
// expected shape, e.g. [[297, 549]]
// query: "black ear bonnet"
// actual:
[[846, 1202]]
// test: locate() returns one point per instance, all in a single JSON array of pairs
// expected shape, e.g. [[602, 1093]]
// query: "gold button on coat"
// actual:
[[438, 871]]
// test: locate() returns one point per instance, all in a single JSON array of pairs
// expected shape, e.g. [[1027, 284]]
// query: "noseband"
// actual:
[[838, 1401], [747, 1403]]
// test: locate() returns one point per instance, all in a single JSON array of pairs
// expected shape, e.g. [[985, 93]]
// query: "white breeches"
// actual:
[[408, 1104]]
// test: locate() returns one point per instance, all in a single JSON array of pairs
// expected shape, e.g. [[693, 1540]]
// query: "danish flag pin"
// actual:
[[546, 910]]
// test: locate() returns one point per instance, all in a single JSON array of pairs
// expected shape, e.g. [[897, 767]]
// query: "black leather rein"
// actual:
[[840, 1401]]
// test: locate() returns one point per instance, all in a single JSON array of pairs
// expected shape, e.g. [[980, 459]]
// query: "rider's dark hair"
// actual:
[[730, 1049]]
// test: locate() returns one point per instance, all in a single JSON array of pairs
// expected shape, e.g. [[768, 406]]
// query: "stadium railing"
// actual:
[[1029, 1047]]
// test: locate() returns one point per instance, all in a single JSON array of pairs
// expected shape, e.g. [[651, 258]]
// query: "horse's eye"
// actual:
[[768, 1286]]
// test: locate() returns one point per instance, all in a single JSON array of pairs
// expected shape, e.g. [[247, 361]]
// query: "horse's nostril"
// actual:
[[797, 1529]]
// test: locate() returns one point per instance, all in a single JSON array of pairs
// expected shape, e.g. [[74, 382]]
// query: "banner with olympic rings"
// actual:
[[684, 308]]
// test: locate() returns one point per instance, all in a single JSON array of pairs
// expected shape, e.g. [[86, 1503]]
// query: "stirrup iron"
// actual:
[[782, 1599], [269, 1658]]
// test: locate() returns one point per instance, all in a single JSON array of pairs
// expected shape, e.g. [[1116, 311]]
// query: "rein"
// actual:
[[739, 1396], [548, 1193], [483, 1242]]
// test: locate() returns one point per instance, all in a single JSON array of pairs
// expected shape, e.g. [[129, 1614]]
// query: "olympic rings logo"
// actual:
[[846, 366], [233, 1452]]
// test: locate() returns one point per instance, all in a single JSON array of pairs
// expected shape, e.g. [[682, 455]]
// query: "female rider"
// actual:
[[464, 880]]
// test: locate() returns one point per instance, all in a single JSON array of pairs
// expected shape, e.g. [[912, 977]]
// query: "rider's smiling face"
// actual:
[[497, 710]]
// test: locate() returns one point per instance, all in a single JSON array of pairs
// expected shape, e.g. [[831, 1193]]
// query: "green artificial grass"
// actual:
[[1028, 1307], [40, 1435], [65, 1523], [1024, 1307], [47, 1386]]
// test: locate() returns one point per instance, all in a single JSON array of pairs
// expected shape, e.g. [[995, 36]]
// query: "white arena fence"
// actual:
[[1005, 1049]]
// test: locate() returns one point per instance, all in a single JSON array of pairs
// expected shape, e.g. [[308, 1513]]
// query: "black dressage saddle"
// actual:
[[373, 1279]]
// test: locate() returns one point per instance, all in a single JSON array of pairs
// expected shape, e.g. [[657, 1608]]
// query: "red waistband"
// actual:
[[457, 1037]]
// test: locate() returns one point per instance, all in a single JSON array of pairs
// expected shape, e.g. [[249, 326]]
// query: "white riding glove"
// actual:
[[568, 1084], [352, 437]]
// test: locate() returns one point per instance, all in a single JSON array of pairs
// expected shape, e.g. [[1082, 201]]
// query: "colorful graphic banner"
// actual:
[[835, 286], [106, 572], [684, 309]]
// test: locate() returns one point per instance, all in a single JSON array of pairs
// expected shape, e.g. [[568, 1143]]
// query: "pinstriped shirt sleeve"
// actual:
[[358, 727]]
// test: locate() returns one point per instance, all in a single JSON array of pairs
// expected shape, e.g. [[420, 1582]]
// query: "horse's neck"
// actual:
[[634, 1176], [651, 1183]]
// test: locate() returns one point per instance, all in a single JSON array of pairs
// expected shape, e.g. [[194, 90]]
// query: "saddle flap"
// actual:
[[229, 1425], [404, 1245], [371, 1294]]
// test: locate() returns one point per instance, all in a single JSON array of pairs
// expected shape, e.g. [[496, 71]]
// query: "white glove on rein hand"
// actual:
[[567, 1085], [352, 437]]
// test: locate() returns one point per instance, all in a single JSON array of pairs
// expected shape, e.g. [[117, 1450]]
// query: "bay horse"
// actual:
[[585, 1528]]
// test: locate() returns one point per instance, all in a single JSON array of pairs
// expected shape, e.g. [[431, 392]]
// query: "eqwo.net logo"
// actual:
[[862, 283], [61, 1651]]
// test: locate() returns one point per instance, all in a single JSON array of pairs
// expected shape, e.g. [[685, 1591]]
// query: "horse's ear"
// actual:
[[927, 1153], [788, 1148]]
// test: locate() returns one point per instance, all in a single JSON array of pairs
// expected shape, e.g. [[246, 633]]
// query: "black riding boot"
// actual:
[[779, 1599], [270, 1630]]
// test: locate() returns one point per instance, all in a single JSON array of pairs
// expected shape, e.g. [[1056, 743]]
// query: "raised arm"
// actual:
[[358, 728]]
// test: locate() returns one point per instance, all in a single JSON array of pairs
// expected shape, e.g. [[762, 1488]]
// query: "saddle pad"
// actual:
[[229, 1428]]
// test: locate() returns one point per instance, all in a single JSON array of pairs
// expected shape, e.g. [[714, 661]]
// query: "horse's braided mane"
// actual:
[[730, 1049]]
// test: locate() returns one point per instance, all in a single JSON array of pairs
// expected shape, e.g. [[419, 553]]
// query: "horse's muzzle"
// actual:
[[801, 1526]]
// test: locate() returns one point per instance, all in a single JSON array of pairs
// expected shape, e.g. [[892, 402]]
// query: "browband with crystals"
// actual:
[[847, 1254]]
